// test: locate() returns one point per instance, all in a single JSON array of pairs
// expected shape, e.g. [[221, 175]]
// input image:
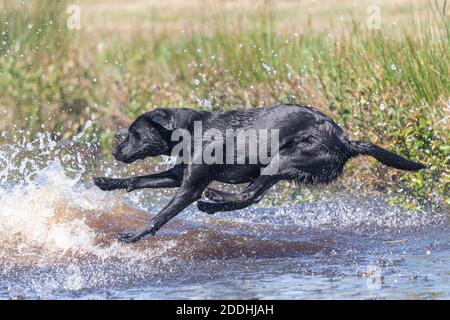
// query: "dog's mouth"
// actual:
[[129, 159], [125, 159]]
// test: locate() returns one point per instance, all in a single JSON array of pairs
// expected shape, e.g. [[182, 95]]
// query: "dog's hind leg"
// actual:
[[252, 194], [168, 179], [279, 168], [218, 195]]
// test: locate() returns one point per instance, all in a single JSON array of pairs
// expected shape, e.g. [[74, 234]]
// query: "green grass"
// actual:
[[391, 87]]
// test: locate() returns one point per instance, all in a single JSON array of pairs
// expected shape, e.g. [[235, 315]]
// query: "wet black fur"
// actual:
[[312, 149]]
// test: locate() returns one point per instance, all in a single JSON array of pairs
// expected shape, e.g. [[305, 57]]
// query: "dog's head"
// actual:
[[148, 136]]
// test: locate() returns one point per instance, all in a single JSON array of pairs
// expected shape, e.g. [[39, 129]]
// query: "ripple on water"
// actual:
[[57, 238]]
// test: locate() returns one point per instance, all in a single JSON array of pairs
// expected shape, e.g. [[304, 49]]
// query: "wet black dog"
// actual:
[[312, 149]]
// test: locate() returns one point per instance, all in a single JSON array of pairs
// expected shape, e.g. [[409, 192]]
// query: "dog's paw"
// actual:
[[134, 236], [213, 195], [129, 237], [108, 184], [208, 207]]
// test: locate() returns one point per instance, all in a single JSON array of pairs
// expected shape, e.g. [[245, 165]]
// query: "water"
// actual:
[[57, 240]]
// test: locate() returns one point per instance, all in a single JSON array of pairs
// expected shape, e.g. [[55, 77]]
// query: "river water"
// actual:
[[57, 240]]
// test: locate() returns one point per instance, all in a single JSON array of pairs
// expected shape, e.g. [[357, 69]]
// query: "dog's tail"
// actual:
[[385, 157]]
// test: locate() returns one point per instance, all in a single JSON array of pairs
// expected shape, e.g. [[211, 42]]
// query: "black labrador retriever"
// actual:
[[311, 149]]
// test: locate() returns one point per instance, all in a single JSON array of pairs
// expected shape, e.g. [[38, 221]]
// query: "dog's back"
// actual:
[[316, 146]]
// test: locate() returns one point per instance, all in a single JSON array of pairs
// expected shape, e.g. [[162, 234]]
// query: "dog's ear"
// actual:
[[163, 119], [121, 133]]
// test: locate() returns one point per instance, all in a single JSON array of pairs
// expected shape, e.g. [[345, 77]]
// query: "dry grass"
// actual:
[[123, 18]]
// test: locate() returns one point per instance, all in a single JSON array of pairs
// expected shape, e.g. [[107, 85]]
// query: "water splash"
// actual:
[[58, 232], [48, 214]]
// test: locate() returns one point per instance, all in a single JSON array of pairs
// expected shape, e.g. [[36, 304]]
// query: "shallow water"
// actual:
[[57, 235]]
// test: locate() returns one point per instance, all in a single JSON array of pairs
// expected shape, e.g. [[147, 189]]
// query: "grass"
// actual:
[[390, 86]]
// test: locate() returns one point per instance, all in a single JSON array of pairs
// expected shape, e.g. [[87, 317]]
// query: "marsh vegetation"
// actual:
[[389, 85]]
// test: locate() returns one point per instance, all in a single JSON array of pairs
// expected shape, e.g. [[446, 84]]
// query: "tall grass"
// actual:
[[43, 75], [32, 37], [391, 86]]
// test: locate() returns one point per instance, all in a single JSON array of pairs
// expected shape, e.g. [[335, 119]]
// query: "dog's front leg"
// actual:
[[152, 182], [108, 184], [167, 179], [187, 194]]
